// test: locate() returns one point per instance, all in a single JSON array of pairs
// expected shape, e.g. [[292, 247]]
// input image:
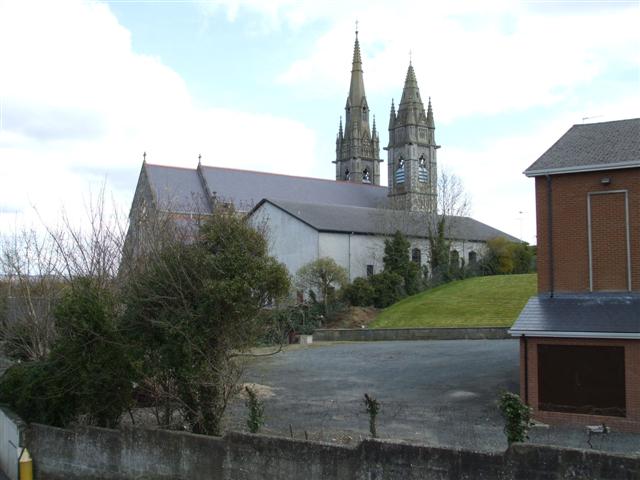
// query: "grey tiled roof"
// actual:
[[595, 146], [347, 218], [177, 190], [182, 189], [247, 188], [589, 315]]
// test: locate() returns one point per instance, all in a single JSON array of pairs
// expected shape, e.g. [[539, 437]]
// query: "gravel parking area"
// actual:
[[433, 392]]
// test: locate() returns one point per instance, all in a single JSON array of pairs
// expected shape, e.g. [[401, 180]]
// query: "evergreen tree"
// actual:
[[397, 259]]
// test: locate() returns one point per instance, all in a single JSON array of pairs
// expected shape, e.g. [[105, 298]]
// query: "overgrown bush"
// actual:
[[194, 308], [256, 410], [360, 293], [88, 375], [373, 408], [503, 257], [517, 417], [34, 391], [387, 288]]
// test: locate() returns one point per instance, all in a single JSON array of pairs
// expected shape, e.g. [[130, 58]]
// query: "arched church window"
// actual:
[[423, 172], [346, 174], [473, 258], [400, 171], [416, 256], [366, 177]]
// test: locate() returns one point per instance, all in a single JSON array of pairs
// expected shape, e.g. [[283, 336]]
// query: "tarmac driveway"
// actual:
[[441, 392], [436, 392]]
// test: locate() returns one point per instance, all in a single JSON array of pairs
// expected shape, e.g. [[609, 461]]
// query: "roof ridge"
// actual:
[[148, 164], [339, 182], [606, 121]]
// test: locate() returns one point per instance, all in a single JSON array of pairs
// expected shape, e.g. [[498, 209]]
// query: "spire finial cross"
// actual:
[[410, 57], [357, 27], [199, 158], [144, 156]]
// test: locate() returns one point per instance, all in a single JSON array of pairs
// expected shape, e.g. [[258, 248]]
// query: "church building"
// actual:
[[346, 219]]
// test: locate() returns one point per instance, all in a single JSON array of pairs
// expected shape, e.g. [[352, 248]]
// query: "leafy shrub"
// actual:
[[256, 410], [87, 374], [387, 287], [360, 293], [34, 392], [373, 408], [517, 417]]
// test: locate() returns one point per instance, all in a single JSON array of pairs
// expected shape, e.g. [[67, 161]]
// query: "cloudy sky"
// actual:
[[87, 86]]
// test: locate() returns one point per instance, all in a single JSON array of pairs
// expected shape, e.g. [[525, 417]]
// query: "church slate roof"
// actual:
[[589, 147], [177, 190], [188, 190], [381, 221], [596, 315]]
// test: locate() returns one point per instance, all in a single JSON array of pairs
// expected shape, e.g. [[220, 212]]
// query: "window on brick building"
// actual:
[[416, 256], [581, 379]]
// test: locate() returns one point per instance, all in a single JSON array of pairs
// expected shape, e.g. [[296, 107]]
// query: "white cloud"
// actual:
[[501, 59], [476, 59], [78, 104]]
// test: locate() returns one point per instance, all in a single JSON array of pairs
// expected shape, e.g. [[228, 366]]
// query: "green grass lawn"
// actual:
[[492, 301]]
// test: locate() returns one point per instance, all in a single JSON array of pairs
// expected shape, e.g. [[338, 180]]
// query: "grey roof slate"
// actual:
[[589, 315], [187, 190], [246, 188], [347, 218], [595, 146], [177, 190]]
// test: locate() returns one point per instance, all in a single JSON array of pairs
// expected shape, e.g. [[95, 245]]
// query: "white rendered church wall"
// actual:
[[291, 241], [365, 250], [335, 246]]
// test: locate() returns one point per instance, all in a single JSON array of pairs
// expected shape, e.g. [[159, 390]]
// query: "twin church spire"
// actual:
[[358, 146], [411, 149]]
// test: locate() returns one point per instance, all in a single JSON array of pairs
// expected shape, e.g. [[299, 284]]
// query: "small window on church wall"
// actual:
[[366, 177], [416, 256], [400, 171], [369, 270], [423, 172], [473, 258], [346, 174]]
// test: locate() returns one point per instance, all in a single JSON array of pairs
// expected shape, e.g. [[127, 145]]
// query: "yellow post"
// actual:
[[26, 466]]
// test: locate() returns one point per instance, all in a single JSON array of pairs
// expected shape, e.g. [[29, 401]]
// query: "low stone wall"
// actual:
[[94, 453], [381, 334]]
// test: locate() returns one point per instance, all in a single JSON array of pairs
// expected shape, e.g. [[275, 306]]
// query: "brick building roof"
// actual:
[[596, 315], [589, 147]]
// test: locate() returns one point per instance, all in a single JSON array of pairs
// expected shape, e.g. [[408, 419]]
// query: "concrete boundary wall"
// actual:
[[12, 430], [382, 334], [95, 453]]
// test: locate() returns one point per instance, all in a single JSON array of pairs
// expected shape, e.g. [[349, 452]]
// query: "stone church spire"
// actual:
[[357, 149], [412, 159]]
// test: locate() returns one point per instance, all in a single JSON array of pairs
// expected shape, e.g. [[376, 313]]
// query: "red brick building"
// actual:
[[580, 336]]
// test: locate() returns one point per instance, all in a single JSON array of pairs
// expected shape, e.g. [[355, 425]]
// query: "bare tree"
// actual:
[[453, 200], [453, 204], [91, 248], [36, 265], [29, 264]]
